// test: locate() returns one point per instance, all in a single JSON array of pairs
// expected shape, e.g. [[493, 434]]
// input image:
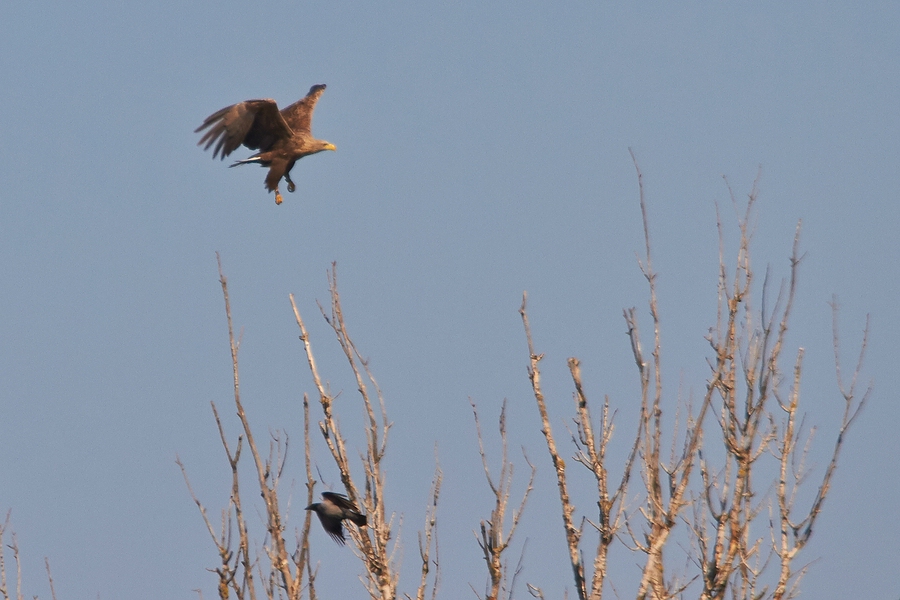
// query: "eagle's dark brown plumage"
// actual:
[[282, 137]]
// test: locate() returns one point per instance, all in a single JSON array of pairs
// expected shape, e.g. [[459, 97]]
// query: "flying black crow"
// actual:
[[332, 510]]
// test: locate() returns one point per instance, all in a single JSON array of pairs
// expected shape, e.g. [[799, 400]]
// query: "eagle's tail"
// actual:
[[256, 158]]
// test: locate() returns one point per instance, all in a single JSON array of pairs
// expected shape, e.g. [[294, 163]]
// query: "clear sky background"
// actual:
[[482, 151]]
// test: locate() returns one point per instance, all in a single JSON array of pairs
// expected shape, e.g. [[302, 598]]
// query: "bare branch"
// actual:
[[373, 541], [428, 537], [494, 539], [573, 534]]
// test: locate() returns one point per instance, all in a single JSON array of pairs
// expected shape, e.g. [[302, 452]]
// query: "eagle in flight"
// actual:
[[281, 137]]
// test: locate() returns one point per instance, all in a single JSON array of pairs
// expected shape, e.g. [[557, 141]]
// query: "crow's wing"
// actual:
[[349, 509], [339, 500], [332, 527]]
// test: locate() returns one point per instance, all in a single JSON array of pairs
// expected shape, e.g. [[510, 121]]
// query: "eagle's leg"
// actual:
[[276, 172], [287, 176]]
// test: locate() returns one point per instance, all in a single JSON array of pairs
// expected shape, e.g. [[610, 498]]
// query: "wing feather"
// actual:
[[299, 114], [256, 124], [339, 500]]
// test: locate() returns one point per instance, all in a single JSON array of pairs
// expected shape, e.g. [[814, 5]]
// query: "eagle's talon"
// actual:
[[291, 186], [278, 198]]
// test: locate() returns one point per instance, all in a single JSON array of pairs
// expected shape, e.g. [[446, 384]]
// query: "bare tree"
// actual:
[[755, 415], [283, 565], [494, 538], [428, 543], [5, 592], [283, 572], [374, 541], [717, 514]]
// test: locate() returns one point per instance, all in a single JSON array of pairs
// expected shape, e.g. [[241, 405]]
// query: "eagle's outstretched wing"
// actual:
[[299, 114], [256, 124]]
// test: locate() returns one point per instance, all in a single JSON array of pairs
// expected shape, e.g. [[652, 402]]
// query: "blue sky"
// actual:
[[482, 151]]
